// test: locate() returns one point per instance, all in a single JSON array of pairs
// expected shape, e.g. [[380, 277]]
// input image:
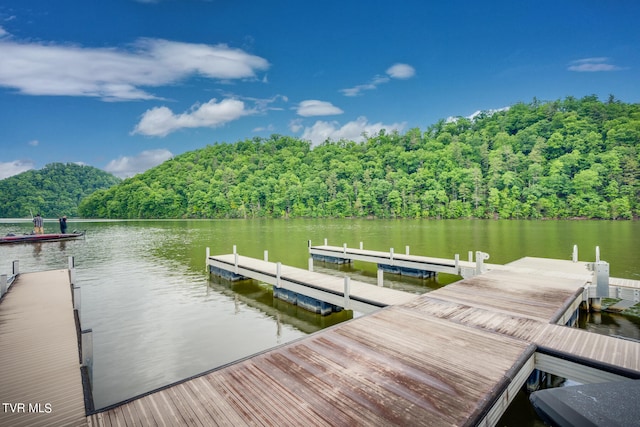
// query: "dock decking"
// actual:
[[363, 297], [454, 356], [39, 360]]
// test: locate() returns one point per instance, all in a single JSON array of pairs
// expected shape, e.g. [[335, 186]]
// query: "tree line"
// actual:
[[52, 191], [561, 159]]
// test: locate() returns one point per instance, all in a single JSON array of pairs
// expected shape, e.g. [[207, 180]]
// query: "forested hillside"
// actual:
[[561, 159], [53, 191]]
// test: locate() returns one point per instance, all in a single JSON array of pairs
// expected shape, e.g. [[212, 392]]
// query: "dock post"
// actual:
[[597, 253], [470, 256], [76, 299], [278, 270], [391, 255], [347, 290], [456, 259], [480, 257], [574, 257], [266, 256], [380, 276], [15, 267], [406, 250], [87, 352], [361, 245], [3, 284], [235, 261], [206, 259], [325, 241], [72, 270]]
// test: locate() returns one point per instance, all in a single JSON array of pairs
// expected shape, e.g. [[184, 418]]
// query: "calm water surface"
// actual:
[[157, 316]]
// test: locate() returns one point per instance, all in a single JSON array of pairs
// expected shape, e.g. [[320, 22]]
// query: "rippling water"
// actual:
[[157, 316]]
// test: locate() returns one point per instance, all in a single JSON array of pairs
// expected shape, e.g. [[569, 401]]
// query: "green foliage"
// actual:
[[53, 191], [561, 159]]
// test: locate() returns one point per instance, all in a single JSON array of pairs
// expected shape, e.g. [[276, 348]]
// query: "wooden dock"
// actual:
[[454, 356], [40, 379], [360, 296]]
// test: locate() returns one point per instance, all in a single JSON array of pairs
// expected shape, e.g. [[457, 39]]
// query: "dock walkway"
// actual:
[[362, 297], [40, 378]]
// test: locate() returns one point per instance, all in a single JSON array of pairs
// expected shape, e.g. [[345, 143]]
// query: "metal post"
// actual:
[[77, 303], [309, 244], [480, 257], [406, 250], [597, 253], [3, 284], [72, 271], [206, 262], [347, 290], [344, 248], [380, 277], [391, 254], [234, 249], [456, 259], [266, 256], [235, 261], [16, 267], [470, 256], [361, 245], [310, 263], [87, 352], [574, 256], [325, 241], [601, 276], [278, 270]]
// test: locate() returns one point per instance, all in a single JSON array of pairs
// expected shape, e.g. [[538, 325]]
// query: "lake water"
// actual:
[[157, 316]]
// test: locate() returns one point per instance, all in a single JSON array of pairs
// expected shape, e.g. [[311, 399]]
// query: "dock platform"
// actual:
[[360, 296], [454, 356], [40, 377]]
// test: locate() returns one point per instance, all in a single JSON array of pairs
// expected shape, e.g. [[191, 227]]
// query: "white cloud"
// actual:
[[352, 131], [118, 74], [161, 121], [296, 125], [125, 167], [34, 143], [3, 32], [15, 167], [313, 107], [401, 71], [396, 71], [592, 65]]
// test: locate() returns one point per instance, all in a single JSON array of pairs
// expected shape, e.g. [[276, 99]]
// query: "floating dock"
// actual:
[[454, 356], [307, 288], [40, 370]]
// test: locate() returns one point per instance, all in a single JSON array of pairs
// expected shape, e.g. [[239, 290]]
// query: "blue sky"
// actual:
[[123, 85]]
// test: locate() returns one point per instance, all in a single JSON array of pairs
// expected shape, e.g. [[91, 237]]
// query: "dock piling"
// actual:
[[15, 267], [266, 256], [3, 284], [278, 272], [380, 276], [310, 263], [574, 256], [361, 245], [347, 291]]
